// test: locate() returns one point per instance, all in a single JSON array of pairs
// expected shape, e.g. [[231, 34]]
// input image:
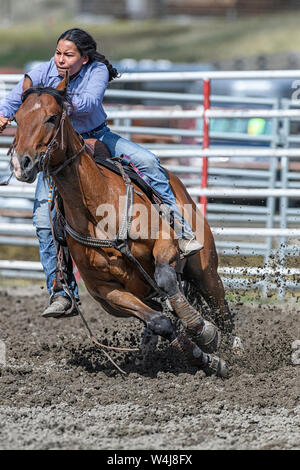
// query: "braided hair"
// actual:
[[87, 46]]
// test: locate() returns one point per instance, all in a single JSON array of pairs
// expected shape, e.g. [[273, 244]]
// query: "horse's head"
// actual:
[[39, 121]]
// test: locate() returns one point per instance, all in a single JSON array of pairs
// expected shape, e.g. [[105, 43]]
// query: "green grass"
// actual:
[[203, 39], [16, 282], [28, 253], [255, 297]]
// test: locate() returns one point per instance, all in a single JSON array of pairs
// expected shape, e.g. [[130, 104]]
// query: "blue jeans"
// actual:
[[142, 158]]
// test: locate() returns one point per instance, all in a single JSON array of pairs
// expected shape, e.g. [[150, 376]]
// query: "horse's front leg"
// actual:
[[204, 332]]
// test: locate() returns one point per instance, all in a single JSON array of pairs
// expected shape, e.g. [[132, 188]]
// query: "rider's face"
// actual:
[[68, 58]]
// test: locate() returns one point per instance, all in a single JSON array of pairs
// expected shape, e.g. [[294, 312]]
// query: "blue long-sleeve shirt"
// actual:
[[86, 91]]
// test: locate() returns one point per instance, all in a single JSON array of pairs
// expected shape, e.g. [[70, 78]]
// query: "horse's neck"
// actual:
[[81, 186]]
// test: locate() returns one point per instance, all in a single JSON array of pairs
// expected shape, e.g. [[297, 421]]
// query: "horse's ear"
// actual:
[[63, 85], [27, 83]]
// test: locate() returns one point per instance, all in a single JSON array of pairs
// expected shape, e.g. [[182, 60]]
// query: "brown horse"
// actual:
[[45, 140]]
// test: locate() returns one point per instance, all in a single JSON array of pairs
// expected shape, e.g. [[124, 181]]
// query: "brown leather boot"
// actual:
[[189, 247], [58, 307]]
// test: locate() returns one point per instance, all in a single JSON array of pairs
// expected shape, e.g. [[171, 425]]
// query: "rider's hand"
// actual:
[[3, 123]]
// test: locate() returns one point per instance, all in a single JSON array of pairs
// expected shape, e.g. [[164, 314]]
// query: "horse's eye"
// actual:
[[51, 119]]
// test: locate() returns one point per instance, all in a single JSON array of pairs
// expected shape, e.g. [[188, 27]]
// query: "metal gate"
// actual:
[[268, 231]]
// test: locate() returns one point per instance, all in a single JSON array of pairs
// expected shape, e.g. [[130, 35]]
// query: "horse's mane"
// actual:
[[61, 97]]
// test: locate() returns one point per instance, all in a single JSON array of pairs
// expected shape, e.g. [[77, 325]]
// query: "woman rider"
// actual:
[[89, 72]]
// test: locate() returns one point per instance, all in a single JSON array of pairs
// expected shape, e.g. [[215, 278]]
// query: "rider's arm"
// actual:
[[12, 101]]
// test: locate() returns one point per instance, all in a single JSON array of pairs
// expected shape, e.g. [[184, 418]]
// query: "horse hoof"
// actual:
[[222, 371], [216, 366], [208, 338], [237, 346]]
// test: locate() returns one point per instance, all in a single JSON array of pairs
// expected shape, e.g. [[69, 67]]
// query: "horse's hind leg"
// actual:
[[159, 324], [209, 284], [204, 332]]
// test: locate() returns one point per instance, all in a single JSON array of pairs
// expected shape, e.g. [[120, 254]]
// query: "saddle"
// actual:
[[103, 157]]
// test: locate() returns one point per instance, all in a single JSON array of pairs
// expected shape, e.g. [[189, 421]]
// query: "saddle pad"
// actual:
[[135, 178]]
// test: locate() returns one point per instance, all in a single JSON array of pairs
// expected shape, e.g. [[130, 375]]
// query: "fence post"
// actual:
[[283, 201], [205, 143], [271, 201]]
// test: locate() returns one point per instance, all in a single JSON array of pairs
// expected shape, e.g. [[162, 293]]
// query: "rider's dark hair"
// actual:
[[87, 45]]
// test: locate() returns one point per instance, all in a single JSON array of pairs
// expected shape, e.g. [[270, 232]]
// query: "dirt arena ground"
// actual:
[[58, 391]]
